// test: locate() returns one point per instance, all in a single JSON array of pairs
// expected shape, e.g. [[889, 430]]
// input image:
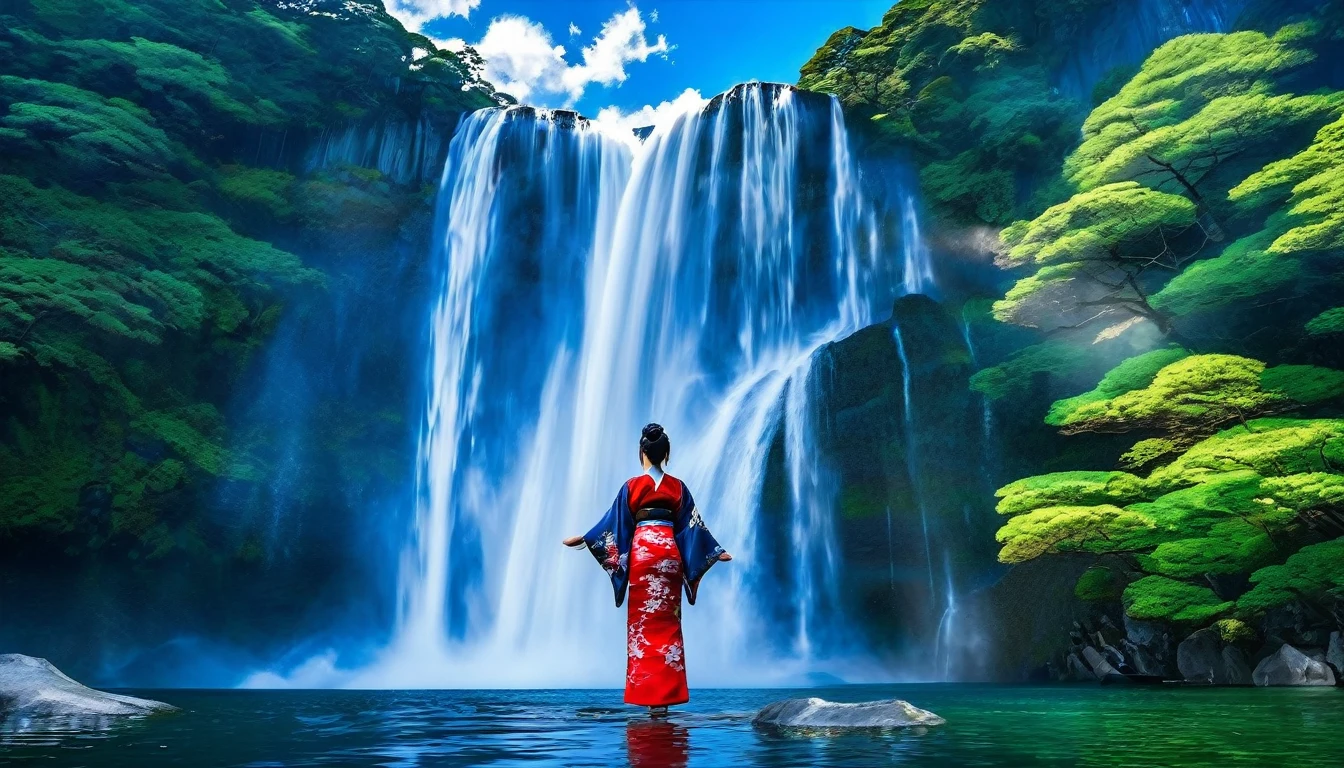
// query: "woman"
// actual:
[[653, 540]]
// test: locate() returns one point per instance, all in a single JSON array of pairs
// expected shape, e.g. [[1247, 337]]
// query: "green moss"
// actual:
[[1157, 598], [1234, 631]]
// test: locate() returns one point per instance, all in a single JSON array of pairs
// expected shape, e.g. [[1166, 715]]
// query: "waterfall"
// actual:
[[917, 267], [986, 412], [588, 287], [911, 456], [942, 644]]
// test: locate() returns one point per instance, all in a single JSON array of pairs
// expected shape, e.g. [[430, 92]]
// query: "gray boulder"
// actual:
[[1204, 658], [819, 713], [1100, 666], [1334, 653], [33, 688], [1289, 666]]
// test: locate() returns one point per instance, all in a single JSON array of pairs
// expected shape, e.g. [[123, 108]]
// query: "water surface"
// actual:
[[986, 726]]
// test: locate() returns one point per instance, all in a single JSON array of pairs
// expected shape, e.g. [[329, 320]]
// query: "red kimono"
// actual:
[[655, 559]]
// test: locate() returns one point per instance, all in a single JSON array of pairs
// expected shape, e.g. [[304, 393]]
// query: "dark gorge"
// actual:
[[1006, 347]]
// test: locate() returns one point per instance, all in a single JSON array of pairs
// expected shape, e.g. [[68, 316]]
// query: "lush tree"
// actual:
[[1093, 253], [1194, 395], [1314, 574]]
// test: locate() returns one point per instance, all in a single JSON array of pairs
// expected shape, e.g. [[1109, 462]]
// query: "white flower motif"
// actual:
[[672, 656]]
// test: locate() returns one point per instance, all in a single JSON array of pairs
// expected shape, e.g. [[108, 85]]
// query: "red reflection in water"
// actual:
[[657, 744]]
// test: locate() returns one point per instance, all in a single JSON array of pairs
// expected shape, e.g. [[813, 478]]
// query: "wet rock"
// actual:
[[1236, 668], [1100, 666], [1204, 658], [1149, 648], [1075, 669], [1289, 666], [32, 687], [819, 713], [1334, 653]]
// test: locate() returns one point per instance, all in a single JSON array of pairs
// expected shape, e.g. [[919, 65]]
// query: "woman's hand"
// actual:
[[724, 557], [574, 541]]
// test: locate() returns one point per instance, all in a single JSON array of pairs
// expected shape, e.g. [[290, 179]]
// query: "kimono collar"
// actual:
[[657, 475]]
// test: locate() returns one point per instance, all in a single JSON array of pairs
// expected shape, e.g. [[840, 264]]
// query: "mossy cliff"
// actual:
[[1168, 251], [192, 203]]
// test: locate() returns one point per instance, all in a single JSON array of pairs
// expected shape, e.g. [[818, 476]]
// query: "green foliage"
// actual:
[[1313, 574], [1135, 373], [1106, 222], [1195, 101], [1328, 323], [1194, 395], [1098, 585], [1078, 488], [1312, 181], [1156, 598], [138, 270], [1057, 530], [81, 129], [1270, 447], [1092, 248], [964, 84]]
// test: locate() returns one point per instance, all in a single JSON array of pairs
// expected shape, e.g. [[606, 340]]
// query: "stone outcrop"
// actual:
[[819, 713], [1289, 666], [1203, 657], [34, 688]]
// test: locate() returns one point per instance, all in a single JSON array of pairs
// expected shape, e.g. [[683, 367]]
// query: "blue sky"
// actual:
[[633, 56]]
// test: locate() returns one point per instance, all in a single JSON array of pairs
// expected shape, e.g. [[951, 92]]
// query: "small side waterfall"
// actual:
[[590, 287]]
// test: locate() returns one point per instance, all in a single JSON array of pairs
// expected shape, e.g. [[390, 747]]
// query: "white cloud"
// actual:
[[574, 30], [653, 16], [622, 123], [415, 14], [521, 58]]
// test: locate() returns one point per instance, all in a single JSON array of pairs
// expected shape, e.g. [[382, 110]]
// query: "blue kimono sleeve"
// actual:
[[610, 540], [699, 549]]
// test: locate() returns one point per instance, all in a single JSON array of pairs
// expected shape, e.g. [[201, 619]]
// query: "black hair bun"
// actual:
[[652, 433]]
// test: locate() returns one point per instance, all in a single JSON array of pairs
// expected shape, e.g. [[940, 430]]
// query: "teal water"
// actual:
[[986, 726]]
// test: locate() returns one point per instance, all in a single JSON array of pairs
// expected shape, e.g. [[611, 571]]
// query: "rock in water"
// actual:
[[32, 687], [1289, 666], [819, 713]]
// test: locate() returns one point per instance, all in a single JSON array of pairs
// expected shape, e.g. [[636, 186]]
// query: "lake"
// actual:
[[987, 725]]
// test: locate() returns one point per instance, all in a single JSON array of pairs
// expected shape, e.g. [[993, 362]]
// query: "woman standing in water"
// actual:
[[653, 541]]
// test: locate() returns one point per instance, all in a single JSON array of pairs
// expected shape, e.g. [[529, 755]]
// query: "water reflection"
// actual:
[[657, 744]]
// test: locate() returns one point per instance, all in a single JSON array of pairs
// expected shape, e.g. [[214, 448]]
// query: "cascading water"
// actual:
[[588, 289]]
